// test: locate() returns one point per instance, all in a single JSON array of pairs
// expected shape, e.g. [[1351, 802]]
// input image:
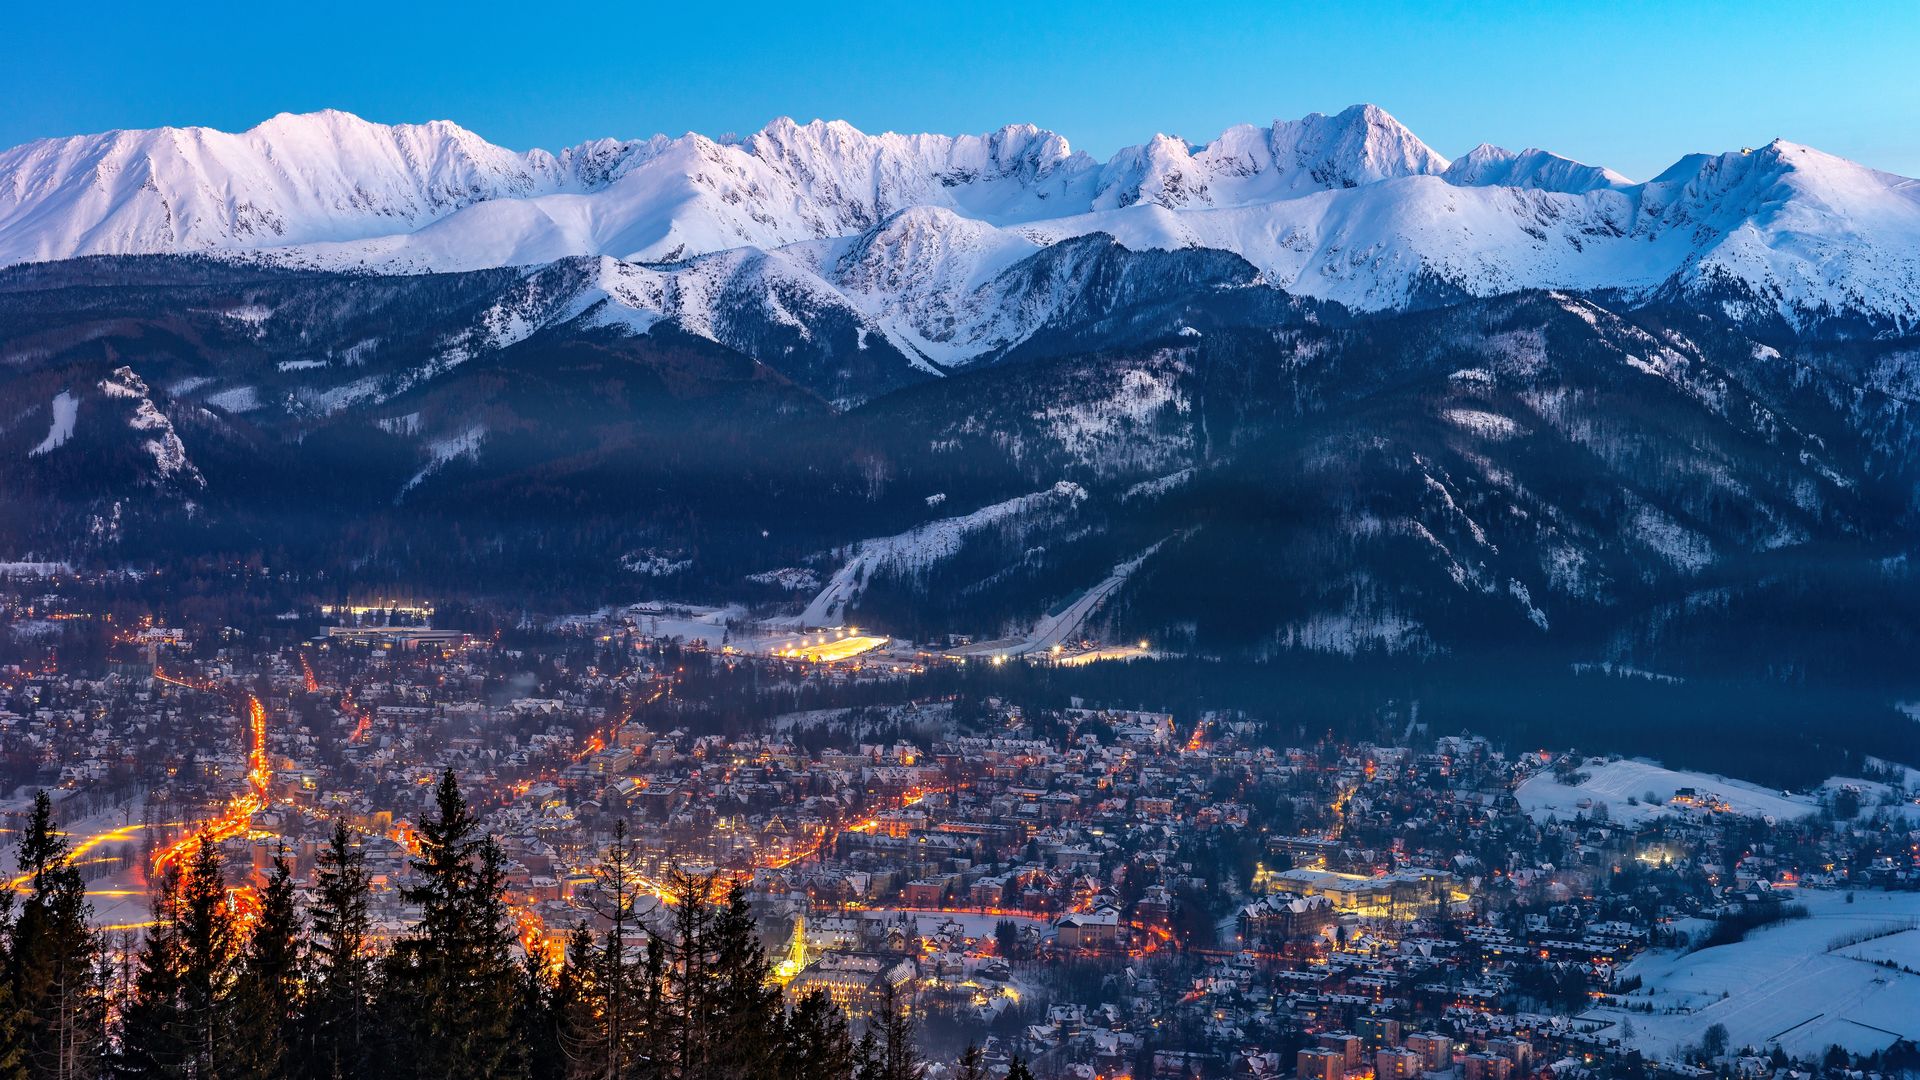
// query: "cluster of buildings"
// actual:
[[1100, 892]]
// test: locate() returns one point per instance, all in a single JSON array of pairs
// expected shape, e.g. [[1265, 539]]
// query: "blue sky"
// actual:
[[1625, 84]]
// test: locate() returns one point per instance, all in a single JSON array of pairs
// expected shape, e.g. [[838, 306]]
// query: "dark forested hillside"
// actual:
[[1541, 475]]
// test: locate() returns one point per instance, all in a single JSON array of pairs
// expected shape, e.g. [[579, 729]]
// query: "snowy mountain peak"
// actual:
[[1487, 165], [295, 178], [1247, 164], [1359, 145], [1351, 207]]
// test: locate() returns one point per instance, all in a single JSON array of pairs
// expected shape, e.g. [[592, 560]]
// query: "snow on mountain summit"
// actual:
[[1351, 207], [292, 179], [1249, 164], [1487, 165]]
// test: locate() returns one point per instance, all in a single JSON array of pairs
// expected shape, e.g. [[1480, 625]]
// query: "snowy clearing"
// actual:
[[1612, 783], [1787, 984], [66, 409]]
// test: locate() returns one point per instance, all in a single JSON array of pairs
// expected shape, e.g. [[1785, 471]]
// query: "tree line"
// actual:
[[273, 988]]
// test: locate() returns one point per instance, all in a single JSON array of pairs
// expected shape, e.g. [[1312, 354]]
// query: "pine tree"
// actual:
[[869, 1062], [13, 1051], [60, 1017], [151, 1024], [335, 1024], [181, 1019], [208, 952], [453, 983], [575, 1002], [815, 1041], [1019, 1071], [899, 1056], [605, 1033], [501, 983], [654, 1025], [537, 1021], [685, 1035], [268, 1000], [745, 1008], [973, 1064]]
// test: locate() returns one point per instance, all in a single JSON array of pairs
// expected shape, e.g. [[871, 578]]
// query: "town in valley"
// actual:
[[1089, 889]]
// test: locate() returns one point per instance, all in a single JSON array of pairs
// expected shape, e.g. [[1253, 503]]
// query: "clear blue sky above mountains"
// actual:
[[1629, 85]]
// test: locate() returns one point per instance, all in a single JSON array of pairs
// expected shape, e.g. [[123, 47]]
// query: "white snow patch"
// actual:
[[407, 425], [1487, 425], [1612, 783], [443, 450], [29, 568], [1687, 550], [168, 452], [790, 578], [1157, 486], [66, 409], [1116, 431], [1355, 628], [239, 399], [653, 563], [1518, 590]]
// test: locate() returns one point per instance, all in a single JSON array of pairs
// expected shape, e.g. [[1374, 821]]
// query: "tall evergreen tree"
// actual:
[[579, 1036], [335, 1023], [898, 1056], [182, 1018], [452, 983], [815, 1041], [208, 951], [745, 1008], [13, 1051], [606, 1033], [268, 997], [537, 1021], [60, 1016], [868, 1062], [685, 1034], [503, 988], [151, 1026], [972, 1065], [654, 1024]]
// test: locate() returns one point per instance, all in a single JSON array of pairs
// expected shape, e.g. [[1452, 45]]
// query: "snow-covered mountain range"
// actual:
[[934, 243]]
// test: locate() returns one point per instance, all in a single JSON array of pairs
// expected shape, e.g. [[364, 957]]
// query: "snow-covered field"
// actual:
[[1791, 984], [691, 624], [1614, 782], [695, 626], [112, 837]]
